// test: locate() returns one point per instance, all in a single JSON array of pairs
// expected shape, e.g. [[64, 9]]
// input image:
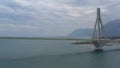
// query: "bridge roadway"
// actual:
[[111, 41]]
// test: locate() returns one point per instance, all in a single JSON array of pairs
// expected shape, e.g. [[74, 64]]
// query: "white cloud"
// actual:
[[5, 9], [55, 17], [15, 27], [24, 2]]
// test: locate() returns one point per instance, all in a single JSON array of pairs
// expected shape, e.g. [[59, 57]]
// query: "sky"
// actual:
[[45, 18]]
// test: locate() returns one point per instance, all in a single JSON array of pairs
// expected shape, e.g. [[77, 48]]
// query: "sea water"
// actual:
[[55, 54]]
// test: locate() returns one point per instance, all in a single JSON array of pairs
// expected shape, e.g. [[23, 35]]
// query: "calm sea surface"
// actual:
[[55, 54]]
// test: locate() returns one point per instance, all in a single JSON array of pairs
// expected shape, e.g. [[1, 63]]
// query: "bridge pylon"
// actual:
[[99, 32]]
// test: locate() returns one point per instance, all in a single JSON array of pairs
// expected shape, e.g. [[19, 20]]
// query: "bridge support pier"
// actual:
[[98, 46]]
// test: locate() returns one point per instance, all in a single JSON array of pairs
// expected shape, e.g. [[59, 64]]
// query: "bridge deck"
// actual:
[[117, 41]]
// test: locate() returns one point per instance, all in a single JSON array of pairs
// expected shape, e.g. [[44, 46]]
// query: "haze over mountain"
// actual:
[[81, 32], [112, 28]]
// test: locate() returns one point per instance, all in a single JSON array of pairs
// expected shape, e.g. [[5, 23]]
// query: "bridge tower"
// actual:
[[99, 32]]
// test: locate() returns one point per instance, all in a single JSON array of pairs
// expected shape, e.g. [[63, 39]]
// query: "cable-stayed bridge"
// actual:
[[99, 38]]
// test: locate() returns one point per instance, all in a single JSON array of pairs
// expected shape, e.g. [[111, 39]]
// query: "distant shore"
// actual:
[[34, 38]]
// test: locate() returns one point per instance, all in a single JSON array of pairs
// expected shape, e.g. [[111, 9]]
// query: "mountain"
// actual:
[[112, 28], [81, 32]]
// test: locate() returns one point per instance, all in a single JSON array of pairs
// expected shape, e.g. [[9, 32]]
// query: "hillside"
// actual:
[[112, 28], [81, 32]]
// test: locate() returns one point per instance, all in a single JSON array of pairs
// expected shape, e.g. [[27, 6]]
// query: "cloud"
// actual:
[[52, 17], [5, 9]]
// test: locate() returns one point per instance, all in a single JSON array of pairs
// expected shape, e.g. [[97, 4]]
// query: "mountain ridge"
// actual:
[[112, 28]]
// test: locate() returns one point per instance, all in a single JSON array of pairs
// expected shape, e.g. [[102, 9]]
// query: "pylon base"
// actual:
[[98, 49]]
